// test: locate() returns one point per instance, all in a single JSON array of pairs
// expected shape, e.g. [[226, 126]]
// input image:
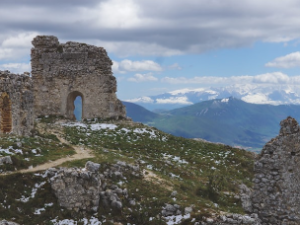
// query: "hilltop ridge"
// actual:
[[171, 172]]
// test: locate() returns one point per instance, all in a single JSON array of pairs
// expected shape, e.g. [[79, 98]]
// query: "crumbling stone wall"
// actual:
[[61, 72], [16, 103], [276, 196]]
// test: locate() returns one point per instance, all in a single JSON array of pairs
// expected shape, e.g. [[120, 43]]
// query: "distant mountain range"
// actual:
[[251, 93], [230, 121]]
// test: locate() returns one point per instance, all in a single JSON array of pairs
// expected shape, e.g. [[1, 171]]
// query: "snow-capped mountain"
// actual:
[[251, 93]]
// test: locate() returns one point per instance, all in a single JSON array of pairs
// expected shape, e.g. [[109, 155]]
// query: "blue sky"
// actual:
[[249, 60], [162, 46]]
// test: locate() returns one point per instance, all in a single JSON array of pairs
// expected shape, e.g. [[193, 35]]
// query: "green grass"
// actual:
[[35, 150], [157, 152], [205, 175]]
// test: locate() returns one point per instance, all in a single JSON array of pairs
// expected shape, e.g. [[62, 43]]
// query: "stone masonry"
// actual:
[[60, 73], [16, 103], [276, 196]]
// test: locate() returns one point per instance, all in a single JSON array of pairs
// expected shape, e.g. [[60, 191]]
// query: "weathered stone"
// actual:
[[5, 222], [276, 196], [170, 210], [234, 219], [16, 103], [5, 160], [92, 167], [60, 73], [75, 191], [245, 194]]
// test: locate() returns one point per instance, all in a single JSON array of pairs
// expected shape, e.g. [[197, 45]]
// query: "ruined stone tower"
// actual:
[[276, 196], [60, 73]]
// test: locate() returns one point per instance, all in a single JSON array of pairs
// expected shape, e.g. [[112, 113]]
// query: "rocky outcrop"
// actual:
[[5, 160], [85, 189], [276, 196], [76, 189], [171, 209], [239, 219], [5, 222]]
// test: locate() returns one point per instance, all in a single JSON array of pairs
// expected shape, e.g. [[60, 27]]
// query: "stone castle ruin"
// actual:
[[60, 73], [276, 195]]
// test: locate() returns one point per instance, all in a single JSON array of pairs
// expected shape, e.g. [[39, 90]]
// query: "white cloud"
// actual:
[[287, 61], [16, 67], [174, 100], [16, 46], [144, 99], [133, 27], [134, 66], [267, 78], [174, 66], [207, 80], [186, 90], [142, 77], [128, 65], [116, 14], [259, 98], [271, 78]]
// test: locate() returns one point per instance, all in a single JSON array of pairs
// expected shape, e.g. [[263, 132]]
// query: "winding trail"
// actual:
[[81, 153]]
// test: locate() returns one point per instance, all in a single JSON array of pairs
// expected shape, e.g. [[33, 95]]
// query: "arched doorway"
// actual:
[[71, 105], [78, 108], [5, 110]]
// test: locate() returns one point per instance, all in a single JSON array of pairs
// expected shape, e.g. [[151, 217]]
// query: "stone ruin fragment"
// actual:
[[60, 73], [276, 195]]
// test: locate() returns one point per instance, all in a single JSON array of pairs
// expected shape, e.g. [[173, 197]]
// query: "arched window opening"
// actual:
[[74, 101], [6, 117], [78, 108]]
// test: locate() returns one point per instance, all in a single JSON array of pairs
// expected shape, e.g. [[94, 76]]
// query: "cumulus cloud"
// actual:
[[134, 66], [142, 77], [174, 66], [259, 98], [131, 27], [287, 61], [267, 78], [174, 100], [206, 80], [17, 46], [144, 99], [271, 78], [18, 68]]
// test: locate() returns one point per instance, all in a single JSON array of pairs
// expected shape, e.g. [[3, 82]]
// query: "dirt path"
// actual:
[[81, 153]]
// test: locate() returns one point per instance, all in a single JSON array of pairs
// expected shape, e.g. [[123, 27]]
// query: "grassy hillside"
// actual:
[[205, 176], [232, 122]]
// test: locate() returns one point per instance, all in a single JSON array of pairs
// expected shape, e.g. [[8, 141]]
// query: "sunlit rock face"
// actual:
[[276, 197]]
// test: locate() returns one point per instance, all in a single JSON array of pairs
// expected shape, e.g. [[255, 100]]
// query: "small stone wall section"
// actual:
[[60, 70], [19, 90], [276, 196]]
